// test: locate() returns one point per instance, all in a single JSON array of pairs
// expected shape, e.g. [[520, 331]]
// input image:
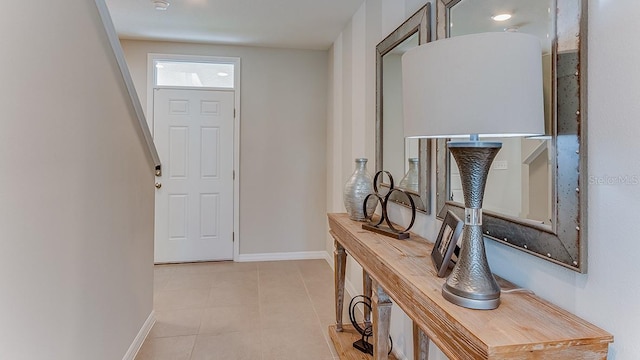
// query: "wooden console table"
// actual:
[[524, 326]]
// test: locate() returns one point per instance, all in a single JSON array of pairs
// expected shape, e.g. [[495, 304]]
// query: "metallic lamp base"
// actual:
[[485, 304], [471, 283]]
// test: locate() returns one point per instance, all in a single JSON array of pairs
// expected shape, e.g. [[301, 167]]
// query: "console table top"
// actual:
[[524, 326]]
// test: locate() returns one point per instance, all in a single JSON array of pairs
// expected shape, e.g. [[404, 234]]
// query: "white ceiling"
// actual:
[[529, 16], [297, 24]]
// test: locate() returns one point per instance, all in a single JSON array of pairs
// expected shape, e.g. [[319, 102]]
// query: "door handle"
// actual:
[[158, 185]]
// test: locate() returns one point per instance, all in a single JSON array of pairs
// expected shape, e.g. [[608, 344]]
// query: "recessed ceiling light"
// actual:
[[501, 17], [223, 74], [160, 4]]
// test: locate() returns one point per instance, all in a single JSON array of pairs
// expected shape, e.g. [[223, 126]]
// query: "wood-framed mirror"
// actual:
[[408, 160], [536, 196]]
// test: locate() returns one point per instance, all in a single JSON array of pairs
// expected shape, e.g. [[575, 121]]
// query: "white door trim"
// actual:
[[236, 125]]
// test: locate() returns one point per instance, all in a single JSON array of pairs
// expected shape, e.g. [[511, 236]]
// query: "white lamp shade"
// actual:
[[488, 84]]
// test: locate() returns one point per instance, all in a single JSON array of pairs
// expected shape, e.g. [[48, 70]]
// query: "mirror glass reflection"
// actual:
[[409, 161], [518, 222], [399, 155], [520, 181]]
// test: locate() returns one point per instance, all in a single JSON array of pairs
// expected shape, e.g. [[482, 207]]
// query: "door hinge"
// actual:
[[234, 174], [233, 237], [234, 113]]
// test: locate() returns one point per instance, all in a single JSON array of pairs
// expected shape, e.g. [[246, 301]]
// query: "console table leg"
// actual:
[[420, 344], [381, 304], [367, 289], [340, 263]]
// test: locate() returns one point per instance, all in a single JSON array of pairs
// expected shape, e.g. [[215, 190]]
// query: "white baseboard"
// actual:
[[348, 286], [399, 354], [329, 258], [351, 290], [302, 255], [142, 335]]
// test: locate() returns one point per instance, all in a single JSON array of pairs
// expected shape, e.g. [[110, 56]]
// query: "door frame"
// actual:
[[151, 57]]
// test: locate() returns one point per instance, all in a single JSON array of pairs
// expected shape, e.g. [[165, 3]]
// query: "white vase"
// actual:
[[410, 179], [356, 190]]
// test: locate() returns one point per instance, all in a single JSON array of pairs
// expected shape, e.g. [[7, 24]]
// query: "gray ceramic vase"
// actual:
[[356, 189]]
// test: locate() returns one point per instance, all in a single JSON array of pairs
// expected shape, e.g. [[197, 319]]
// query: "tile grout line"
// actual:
[[306, 288], [193, 347], [262, 347]]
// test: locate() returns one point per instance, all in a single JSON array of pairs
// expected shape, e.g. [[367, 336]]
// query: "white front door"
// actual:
[[193, 130]]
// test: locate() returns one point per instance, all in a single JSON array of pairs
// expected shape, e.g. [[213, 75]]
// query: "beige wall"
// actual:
[[76, 190], [607, 295], [282, 140]]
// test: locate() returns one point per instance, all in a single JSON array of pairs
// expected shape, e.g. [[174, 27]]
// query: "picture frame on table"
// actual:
[[446, 243]]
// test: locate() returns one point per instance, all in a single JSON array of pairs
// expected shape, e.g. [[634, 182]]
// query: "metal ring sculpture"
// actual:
[[384, 200]]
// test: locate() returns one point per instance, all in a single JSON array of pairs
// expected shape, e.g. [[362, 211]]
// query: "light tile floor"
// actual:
[[237, 311]]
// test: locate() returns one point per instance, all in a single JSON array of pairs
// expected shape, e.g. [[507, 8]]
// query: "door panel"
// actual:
[[193, 131]]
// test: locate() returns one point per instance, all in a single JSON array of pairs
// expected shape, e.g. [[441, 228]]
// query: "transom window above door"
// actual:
[[193, 74]]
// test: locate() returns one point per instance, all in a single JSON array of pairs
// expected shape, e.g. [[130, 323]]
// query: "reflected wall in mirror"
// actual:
[[396, 147], [408, 160], [534, 200], [520, 181]]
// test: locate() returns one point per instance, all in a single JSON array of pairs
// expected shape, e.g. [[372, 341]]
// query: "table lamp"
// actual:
[[480, 85]]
